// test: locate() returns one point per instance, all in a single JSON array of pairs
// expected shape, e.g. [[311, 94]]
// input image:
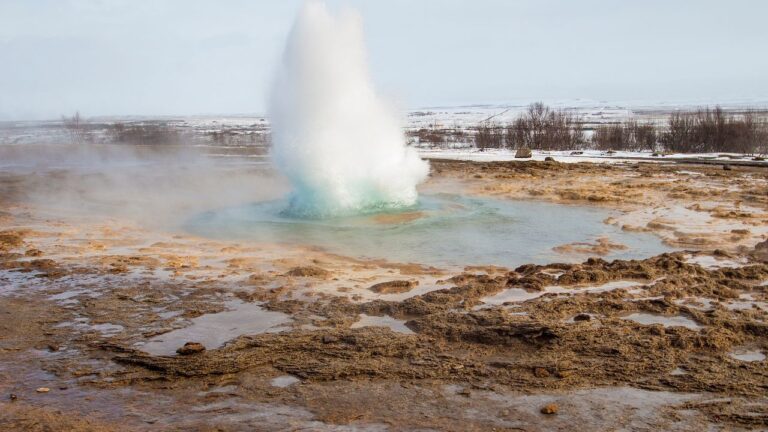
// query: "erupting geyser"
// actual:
[[338, 143]]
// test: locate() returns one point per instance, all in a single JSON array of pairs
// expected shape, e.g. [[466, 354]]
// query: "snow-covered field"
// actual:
[[252, 130], [596, 156], [592, 112]]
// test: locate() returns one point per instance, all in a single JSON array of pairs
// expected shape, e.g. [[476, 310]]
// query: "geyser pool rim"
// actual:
[[443, 230]]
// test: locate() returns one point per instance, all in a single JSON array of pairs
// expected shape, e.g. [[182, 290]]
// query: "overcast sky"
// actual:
[[176, 57]]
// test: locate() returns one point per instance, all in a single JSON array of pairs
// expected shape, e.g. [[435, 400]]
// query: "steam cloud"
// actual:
[[338, 143]]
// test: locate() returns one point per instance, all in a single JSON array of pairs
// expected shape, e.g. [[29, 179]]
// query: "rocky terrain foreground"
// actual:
[[108, 324]]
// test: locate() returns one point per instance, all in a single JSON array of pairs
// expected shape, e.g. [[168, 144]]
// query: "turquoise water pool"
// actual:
[[443, 230]]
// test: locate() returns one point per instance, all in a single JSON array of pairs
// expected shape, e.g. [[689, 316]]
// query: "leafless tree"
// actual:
[[542, 128], [629, 135], [489, 135], [714, 130], [76, 127]]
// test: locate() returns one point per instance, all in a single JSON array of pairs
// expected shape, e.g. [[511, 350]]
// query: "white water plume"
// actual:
[[341, 146]]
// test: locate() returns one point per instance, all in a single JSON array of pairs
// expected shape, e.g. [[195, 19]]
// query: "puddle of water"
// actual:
[[554, 273], [68, 294], [222, 390], [711, 263], [690, 173], [168, 314], [637, 299], [747, 355], [395, 325], [107, 329], [519, 295], [355, 286], [746, 302], [284, 381], [511, 295], [602, 408], [12, 281], [214, 330], [610, 286], [82, 324], [699, 303], [231, 414], [666, 321], [451, 230]]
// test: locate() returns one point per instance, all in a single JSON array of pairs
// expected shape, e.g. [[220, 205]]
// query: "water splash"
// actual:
[[341, 146]]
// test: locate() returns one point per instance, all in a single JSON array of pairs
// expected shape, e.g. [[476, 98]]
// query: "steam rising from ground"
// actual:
[[156, 186], [338, 143]]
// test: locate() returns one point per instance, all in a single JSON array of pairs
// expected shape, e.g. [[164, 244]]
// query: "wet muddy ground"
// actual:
[[108, 324]]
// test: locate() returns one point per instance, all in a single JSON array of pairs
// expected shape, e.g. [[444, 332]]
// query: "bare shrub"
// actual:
[[702, 131], [628, 136], [645, 136], [713, 130], [431, 135], [610, 137], [489, 135], [144, 133], [761, 136], [75, 126], [542, 128], [435, 135], [752, 134], [232, 138]]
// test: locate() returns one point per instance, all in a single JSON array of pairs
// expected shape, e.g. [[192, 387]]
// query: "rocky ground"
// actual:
[[96, 313]]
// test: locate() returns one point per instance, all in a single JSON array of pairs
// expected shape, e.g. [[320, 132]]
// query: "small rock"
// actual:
[[723, 253], [576, 153], [540, 372], [349, 339], [257, 278], [394, 286], [549, 409], [761, 251], [43, 390], [329, 339], [726, 167], [13, 397], [681, 343], [523, 153], [53, 347], [191, 348], [465, 392], [309, 271], [582, 317], [564, 373], [549, 159]]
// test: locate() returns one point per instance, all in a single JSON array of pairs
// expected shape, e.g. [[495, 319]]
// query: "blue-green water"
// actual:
[[442, 230]]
